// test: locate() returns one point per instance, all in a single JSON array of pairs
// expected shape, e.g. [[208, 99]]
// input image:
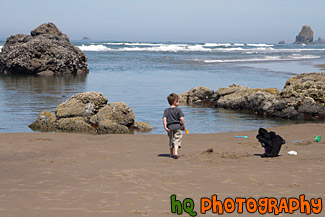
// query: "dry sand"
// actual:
[[73, 175]]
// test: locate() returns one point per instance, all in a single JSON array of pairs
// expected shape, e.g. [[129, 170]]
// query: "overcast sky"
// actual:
[[259, 21]]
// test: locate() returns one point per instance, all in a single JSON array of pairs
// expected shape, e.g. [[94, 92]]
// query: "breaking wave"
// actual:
[[266, 58], [133, 44], [169, 47], [260, 45], [94, 48], [183, 47]]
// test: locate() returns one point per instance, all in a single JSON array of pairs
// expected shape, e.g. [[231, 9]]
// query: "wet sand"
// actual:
[[73, 175]]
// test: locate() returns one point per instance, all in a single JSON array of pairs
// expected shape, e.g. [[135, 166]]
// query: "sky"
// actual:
[[259, 21]]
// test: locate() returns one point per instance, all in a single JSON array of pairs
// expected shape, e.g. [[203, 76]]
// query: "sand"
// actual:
[[57, 174]]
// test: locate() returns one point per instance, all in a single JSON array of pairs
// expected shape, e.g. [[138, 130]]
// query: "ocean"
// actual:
[[143, 74]]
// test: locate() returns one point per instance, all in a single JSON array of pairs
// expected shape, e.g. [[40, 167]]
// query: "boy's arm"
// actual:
[[183, 122], [165, 124]]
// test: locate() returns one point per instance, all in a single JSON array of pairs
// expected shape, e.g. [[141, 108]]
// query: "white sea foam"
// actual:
[[273, 58], [197, 48], [217, 45], [166, 48], [267, 58], [0, 48], [251, 52], [260, 45], [133, 44], [160, 48], [114, 43], [239, 44], [300, 57], [94, 48], [207, 47]]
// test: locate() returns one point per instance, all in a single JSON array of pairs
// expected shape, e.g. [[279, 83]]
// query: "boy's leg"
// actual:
[[176, 151], [171, 146], [177, 140]]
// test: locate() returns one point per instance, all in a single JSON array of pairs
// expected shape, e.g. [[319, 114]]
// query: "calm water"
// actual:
[[143, 74]]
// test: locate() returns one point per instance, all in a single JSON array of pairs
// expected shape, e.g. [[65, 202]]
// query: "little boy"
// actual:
[[174, 123]]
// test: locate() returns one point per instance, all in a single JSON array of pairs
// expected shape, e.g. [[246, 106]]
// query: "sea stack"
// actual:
[[46, 51], [320, 41], [305, 36]]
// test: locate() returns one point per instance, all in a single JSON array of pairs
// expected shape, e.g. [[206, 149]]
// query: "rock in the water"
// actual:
[[75, 124], [244, 98], [45, 122], [90, 113], [142, 126], [306, 36], [303, 97], [197, 95], [47, 28], [117, 112], [282, 42], [305, 85], [320, 41], [47, 50], [109, 126], [83, 104]]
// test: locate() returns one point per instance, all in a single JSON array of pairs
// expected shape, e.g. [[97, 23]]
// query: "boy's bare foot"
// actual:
[[175, 157]]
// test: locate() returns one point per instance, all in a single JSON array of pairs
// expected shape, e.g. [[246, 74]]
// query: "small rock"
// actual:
[[142, 126]]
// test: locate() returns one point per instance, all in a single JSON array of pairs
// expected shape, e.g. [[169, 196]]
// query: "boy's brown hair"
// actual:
[[172, 98]]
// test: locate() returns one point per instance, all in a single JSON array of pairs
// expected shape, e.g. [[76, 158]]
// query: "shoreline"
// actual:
[[316, 122], [56, 174]]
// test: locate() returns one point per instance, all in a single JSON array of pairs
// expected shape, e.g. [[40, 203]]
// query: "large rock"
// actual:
[[45, 51], [117, 112], [303, 97], [320, 41], [243, 98], [90, 113], [109, 126], [306, 36], [197, 95], [82, 104], [305, 85], [75, 124]]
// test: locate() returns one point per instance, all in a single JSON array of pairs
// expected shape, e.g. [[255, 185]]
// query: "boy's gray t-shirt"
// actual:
[[173, 116]]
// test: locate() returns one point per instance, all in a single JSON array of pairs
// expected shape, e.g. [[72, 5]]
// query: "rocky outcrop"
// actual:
[[303, 97], [282, 42], [90, 113], [83, 104], [306, 36], [320, 41], [46, 51], [142, 126], [197, 95], [45, 122], [310, 85], [74, 124]]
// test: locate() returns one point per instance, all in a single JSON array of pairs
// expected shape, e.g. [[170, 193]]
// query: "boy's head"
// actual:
[[172, 98]]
